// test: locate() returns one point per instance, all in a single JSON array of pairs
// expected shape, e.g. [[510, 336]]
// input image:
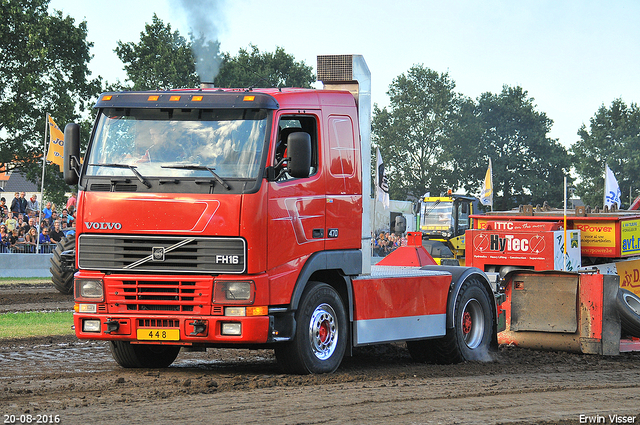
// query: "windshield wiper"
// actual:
[[131, 167], [199, 167]]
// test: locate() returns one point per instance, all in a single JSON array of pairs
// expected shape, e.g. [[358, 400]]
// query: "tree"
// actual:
[[415, 130], [161, 60], [613, 138], [255, 69], [528, 166], [43, 69]]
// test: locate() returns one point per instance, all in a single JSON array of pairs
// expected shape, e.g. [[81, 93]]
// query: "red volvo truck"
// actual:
[[239, 218]]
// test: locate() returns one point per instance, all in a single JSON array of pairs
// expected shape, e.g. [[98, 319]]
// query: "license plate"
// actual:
[[158, 334]]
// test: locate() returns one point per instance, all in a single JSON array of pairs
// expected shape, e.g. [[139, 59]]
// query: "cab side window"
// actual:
[[290, 124]]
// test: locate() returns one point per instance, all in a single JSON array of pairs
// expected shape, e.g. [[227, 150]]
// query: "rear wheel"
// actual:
[[629, 311], [143, 356], [320, 339], [470, 337], [61, 276]]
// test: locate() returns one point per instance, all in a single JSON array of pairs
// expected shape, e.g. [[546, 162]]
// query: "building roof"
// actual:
[[18, 182]]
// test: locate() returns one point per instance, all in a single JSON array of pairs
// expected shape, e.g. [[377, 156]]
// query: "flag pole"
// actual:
[[44, 163], [604, 189], [564, 261], [491, 168]]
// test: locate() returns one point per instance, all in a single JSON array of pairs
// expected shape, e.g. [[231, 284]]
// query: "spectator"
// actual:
[[18, 244], [383, 244], [4, 211], [33, 205], [4, 238], [54, 217], [23, 226], [33, 224], [11, 222], [46, 212], [65, 218], [31, 240], [13, 240], [23, 204], [71, 203], [15, 204], [44, 236], [56, 234]]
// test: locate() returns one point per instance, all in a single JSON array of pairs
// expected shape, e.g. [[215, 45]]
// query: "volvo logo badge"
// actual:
[[157, 253]]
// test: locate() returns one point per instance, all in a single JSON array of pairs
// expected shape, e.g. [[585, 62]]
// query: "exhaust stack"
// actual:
[[350, 72]]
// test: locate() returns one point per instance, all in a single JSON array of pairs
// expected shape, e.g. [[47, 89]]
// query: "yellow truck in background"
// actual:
[[443, 223]]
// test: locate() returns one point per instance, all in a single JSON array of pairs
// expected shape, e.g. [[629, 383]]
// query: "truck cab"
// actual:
[[235, 218]]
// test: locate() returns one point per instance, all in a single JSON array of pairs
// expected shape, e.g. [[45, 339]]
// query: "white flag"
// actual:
[[611, 189], [486, 195], [382, 184]]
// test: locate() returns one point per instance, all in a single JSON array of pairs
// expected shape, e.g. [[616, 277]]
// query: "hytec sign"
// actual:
[[512, 237], [539, 246], [509, 243]]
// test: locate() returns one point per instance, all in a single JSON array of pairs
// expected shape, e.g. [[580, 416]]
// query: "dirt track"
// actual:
[[79, 381]]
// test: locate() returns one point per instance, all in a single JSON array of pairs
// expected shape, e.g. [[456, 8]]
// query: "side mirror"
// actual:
[[71, 154], [299, 154]]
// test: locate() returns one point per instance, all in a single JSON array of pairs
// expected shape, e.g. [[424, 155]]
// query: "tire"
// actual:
[[143, 356], [61, 277], [470, 337], [320, 338], [628, 305]]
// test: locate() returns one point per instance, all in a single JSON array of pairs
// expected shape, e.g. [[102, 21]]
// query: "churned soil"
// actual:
[[80, 383]]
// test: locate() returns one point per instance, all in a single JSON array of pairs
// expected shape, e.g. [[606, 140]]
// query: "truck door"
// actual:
[[344, 200], [296, 206]]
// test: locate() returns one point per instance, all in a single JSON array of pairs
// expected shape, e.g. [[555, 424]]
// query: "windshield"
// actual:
[[436, 215], [178, 143]]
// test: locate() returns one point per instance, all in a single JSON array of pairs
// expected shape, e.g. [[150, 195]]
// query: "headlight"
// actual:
[[238, 292], [89, 288]]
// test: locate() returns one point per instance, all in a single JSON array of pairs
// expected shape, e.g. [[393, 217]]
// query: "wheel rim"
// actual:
[[323, 331], [632, 302], [472, 323]]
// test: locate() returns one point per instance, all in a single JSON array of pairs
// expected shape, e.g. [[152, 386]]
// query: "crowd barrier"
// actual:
[[26, 248], [25, 265]]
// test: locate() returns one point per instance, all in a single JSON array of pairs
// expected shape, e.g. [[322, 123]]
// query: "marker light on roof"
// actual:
[[197, 98], [107, 97], [249, 98], [153, 97], [174, 98]]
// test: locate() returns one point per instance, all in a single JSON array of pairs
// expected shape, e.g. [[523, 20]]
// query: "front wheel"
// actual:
[[320, 339], [470, 337], [142, 355], [61, 275]]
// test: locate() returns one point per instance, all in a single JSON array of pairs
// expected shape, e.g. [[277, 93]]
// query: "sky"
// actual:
[[572, 57]]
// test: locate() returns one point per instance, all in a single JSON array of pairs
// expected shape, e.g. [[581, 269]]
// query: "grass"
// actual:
[[24, 325], [5, 281]]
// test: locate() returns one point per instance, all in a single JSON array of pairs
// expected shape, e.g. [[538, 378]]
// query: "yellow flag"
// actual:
[[486, 195], [56, 143]]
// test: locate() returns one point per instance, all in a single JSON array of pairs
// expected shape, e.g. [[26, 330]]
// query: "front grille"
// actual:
[[157, 254], [174, 296]]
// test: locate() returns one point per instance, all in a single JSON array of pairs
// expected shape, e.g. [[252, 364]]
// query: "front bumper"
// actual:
[[170, 329]]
